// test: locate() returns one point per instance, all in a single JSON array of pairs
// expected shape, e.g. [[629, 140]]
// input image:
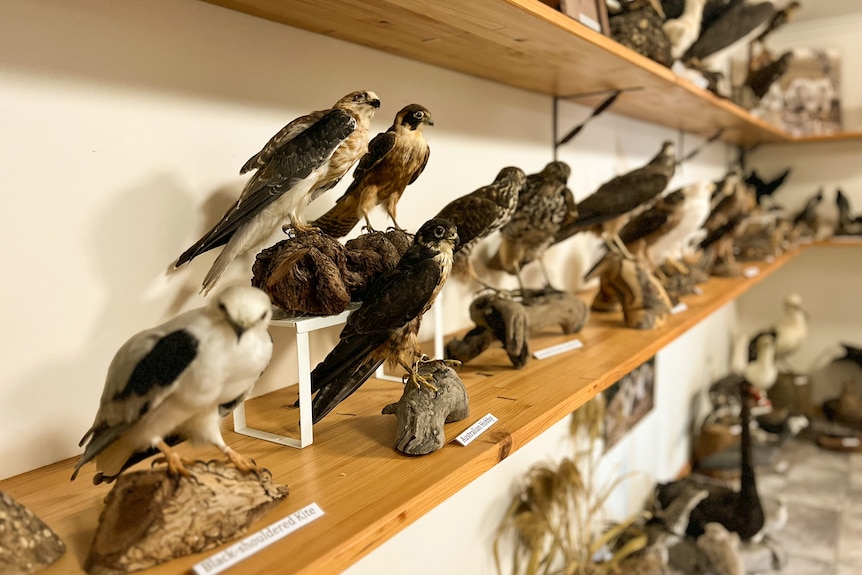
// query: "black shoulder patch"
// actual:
[[163, 365]]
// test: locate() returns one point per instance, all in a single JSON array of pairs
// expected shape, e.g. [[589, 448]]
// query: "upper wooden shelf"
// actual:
[[367, 490], [526, 44]]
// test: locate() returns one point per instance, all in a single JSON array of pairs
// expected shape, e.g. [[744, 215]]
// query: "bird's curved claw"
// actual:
[[421, 381], [242, 463]]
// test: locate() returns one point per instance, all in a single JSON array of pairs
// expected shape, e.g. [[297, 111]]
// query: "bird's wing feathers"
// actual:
[[472, 214], [292, 161], [378, 147], [643, 225], [620, 195], [143, 373], [283, 136], [398, 296]]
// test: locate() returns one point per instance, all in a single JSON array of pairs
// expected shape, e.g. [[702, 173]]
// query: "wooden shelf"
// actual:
[[526, 44], [367, 490]]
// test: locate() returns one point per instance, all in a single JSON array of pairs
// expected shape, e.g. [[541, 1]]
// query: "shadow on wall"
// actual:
[[130, 237]]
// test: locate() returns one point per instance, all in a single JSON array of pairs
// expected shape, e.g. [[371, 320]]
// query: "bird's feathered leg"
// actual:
[[678, 266]]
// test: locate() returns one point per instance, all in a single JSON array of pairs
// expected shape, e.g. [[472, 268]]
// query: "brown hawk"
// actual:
[[605, 210], [545, 203], [304, 159], [483, 212], [394, 160]]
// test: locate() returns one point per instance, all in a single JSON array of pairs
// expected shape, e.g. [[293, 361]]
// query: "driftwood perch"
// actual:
[[645, 302], [421, 413], [500, 318], [27, 545], [152, 516]]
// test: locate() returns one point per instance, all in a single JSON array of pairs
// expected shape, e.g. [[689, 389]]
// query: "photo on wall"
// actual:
[[627, 402]]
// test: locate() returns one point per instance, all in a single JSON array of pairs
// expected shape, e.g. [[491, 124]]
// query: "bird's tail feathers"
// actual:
[[348, 351], [340, 219], [339, 389]]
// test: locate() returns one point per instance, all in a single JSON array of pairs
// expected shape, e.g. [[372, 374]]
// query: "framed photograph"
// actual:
[[627, 402]]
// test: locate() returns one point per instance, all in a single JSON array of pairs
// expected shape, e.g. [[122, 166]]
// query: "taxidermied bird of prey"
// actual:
[[780, 18], [544, 203], [481, 213], [683, 30], [180, 379], [789, 333], [807, 216], [761, 371], [761, 79], [694, 213], [304, 159], [394, 160], [384, 327], [606, 208], [764, 189], [739, 20]]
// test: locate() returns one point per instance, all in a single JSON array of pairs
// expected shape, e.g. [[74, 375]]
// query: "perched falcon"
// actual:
[[545, 202], [176, 381], [384, 328], [720, 30], [606, 208], [304, 159], [394, 160], [695, 211], [764, 189], [482, 212], [761, 79]]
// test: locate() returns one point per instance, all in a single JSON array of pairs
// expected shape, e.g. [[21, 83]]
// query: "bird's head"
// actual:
[[701, 190], [414, 116], [511, 175], [793, 304], [765, 343], [438, 234], [363, 102], [244, 307], [559, 171]]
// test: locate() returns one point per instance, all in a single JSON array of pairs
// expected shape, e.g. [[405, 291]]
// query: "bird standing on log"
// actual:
[[544, 204], [384, 328], [177, 381], [304, 159], [394, 160], [605, 210], [481, 213]]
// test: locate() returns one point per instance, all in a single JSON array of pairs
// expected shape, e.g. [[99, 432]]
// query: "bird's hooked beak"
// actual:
[[374, 103], [237, 329], [427, 120]]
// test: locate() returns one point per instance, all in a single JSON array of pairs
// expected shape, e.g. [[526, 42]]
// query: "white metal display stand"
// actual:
[[303, 325]]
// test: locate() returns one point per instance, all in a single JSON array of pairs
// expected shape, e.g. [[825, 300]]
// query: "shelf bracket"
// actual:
[[607, 103]]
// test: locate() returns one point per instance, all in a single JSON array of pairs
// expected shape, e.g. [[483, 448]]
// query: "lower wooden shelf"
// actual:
[[367, 490]]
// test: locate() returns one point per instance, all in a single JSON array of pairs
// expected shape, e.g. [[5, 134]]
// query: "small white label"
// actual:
[[558, 349], [589, 22], [229, 557], [735, 429], [769, 259], [750, 271], [850, 442], [476, 430], [679, 308], [697, 290]]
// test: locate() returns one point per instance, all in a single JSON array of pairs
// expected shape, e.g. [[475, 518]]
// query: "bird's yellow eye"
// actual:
[[418, 114], [358, 97]]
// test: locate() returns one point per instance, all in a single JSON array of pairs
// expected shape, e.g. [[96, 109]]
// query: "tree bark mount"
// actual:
[[422, 413], [152, 516], [27, 545]]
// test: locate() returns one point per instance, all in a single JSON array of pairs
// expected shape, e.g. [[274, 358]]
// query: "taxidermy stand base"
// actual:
[[153, 516], [421, 413], [645, 302], [27, 545], [499, 317]]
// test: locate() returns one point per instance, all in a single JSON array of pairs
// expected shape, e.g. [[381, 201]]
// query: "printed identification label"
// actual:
[[253, 543], [750, 271], [476, 430], [679, 308], [557, 349]]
